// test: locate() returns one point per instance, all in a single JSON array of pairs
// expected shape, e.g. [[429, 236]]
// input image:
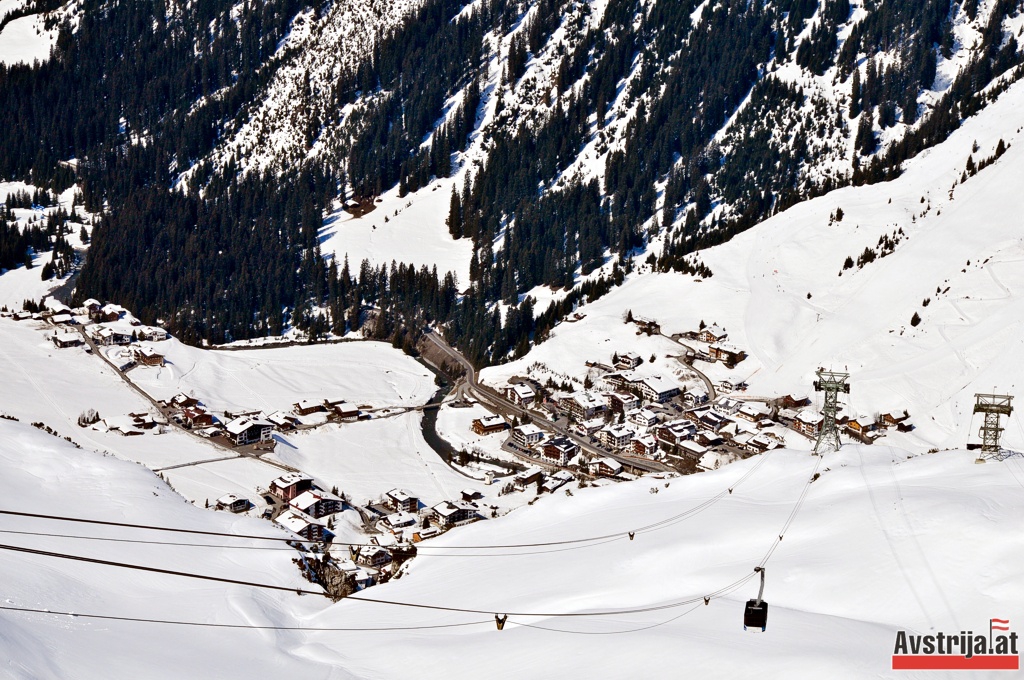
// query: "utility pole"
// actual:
[[993, 406], [831, 383]]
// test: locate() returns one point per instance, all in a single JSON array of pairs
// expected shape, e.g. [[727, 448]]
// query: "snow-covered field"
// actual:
[[364, 373], [26, 40], [778, 291], [881, 543], [414, 231]]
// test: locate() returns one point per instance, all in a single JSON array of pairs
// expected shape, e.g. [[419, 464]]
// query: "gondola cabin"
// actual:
[[755, 615]]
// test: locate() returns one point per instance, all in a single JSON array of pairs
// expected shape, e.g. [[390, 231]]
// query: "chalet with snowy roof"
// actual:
[[752, 411], [399, 520], [760, 443], [291, 485], [194, 416], [897, 420], [615, 437], [656, 388], [559, 450], [582, 405], [618, 381], [794, 401], [645, 446], [520, 394], [62, 319], [316, 503], [22, 316], [343, 409], [55, 306], [627, 360], [787, 416], [694, 397], [556, 481], [151, 333], [604, 467], [671, 434], [727, 354], [92, 306], [691, 449], [111, 312], [708, 438], [711, 420], [147, 356], [808, 422], [400, 499], [450, 513], [65, 339], [281, 420], [528, 477], [374, 556], [727, 405], [527, 436], [489, 425], [181, 400], [246, 430], [712, 333], [233, 503], [642, 417], [306, 407], [621, 402], [302, 524]]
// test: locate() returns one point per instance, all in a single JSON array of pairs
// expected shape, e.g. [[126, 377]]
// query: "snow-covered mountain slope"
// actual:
[[783, 294], [880, 543], [45, 475]]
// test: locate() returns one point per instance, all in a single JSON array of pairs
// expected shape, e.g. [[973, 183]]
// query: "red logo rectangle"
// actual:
[[949, 662]]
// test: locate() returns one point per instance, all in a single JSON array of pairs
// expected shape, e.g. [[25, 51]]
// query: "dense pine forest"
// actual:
[[685, 122]]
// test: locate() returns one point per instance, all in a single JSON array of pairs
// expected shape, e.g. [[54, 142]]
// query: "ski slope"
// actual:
[[880, 543], [778, 291]]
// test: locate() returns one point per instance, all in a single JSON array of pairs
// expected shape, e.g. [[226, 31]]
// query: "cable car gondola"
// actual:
[[755, 615]]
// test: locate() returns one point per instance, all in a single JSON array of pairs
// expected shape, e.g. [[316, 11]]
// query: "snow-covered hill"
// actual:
[[880, 543], [783, 294]]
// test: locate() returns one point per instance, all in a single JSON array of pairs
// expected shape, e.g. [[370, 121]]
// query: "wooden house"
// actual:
[[604, 467], [194, 416], [727, 354], [489, 425], [65, 339], [712, 334], [148, 357], [306, 407]]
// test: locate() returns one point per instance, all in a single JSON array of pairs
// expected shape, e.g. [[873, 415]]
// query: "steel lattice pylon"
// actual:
[[831, 383], [992, 406]]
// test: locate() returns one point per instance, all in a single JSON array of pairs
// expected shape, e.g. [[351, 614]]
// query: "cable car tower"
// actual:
[[831, 383], [993, 406]]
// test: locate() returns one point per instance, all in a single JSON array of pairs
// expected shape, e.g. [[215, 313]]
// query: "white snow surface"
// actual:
[[364, 373], [25, 40], [880, 544]]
